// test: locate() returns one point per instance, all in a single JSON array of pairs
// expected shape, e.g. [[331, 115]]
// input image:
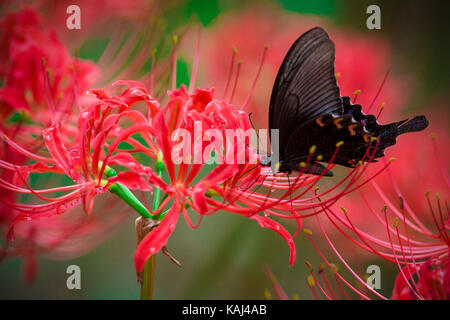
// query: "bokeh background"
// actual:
[[224, 258]]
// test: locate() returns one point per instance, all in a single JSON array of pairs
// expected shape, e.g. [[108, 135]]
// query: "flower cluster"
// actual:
[[415, 240], [42, 93], [124, 142], [129, 145]]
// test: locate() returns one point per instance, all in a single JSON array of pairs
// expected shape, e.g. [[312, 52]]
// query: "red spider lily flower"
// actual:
[[416, 239], [42, 87], [189, 112], [40, 84], [433, 281], [78, 159], [74, 158], [37, 71], [362, 61]]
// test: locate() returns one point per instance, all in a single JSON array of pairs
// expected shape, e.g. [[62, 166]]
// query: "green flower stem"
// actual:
[[126, 195], [148, 279], [148, 274]]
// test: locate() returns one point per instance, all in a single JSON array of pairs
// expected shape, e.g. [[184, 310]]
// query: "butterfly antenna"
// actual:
[[247, 172], [253, 126], [259, 186], [290, 193]]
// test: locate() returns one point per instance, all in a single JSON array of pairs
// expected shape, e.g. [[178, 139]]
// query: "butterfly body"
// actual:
[[312, 117]]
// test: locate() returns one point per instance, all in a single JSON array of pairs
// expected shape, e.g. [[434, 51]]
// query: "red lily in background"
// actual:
[[42, 84], [38, 72]]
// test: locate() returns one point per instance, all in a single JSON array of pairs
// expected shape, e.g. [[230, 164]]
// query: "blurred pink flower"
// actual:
[[38, 72]]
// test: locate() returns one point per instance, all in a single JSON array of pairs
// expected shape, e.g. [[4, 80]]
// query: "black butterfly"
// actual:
[[308, 110]]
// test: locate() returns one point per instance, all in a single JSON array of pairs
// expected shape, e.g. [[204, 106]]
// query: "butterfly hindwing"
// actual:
[[324, 133]]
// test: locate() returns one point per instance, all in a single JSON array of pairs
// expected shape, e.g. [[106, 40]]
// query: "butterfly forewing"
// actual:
[[305, 87]]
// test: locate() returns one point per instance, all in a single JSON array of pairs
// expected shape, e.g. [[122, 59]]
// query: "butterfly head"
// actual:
[[266, 160]]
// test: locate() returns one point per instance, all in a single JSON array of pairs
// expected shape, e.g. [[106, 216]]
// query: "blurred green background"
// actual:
[[224, 257]]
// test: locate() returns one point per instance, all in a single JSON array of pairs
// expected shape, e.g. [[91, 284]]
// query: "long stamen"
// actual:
[[420, 226], [434, 217], [355, 95], [230, 72], [362, 295], [402, 208], [381, 110], [444, 229], [379, 89], [47, 88], [315, 280], [311, 285], [396, 258], [174, 62], [325, 280], [247, 100], [235, 81], [338, 281], [152, 72], [346, 264], [276, 286], [402, 251], [196, 58]]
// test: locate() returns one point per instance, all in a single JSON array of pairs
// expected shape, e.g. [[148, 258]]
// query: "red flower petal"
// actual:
[[265, 222], [157, 238], [201, 98]]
